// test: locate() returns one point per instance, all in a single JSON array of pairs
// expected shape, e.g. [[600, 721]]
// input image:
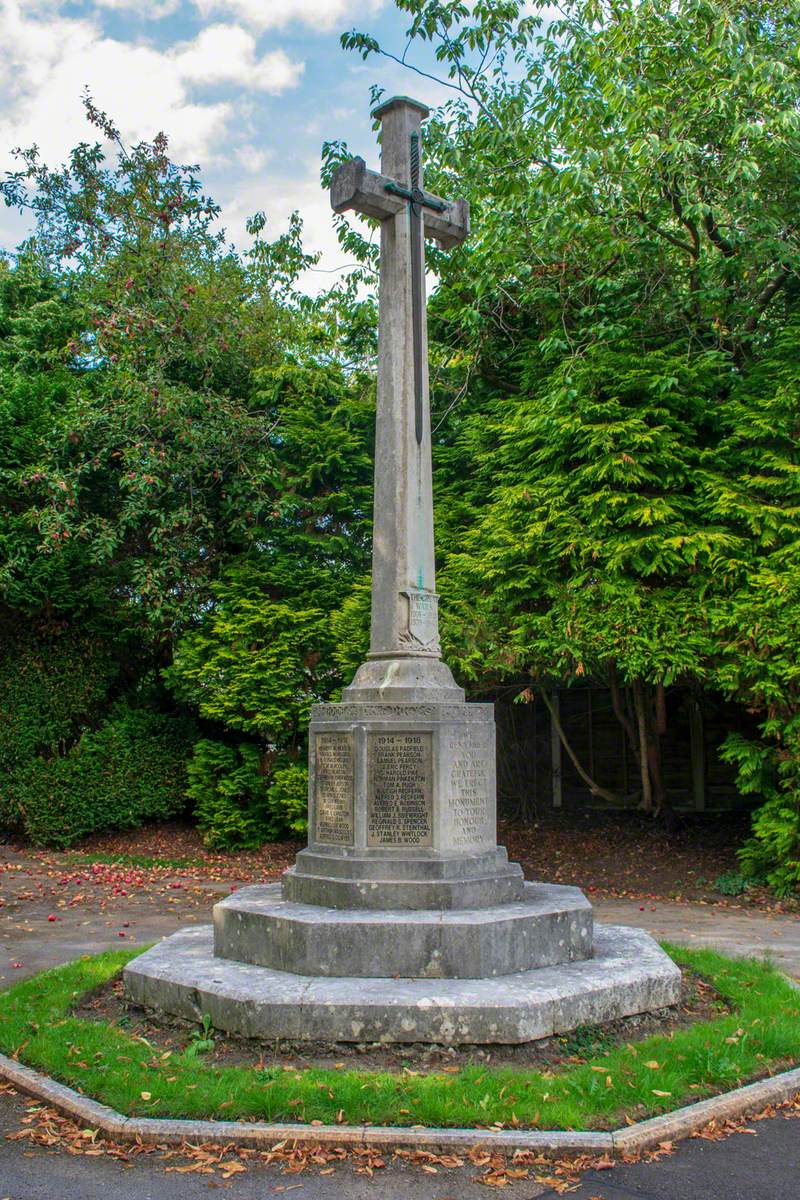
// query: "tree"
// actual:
[[188, 452], [599, 342], [160, 459]]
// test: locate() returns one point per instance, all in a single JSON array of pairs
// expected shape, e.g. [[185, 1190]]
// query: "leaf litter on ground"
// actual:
[[43, 1126]]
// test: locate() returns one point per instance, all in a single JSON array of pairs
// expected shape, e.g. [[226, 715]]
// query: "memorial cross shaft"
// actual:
[[404, 600]]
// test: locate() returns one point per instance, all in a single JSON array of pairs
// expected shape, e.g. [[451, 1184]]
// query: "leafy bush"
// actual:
[[773, 850], [731, 883], [240, 802], [50, 685], [772, 853], [230, 794], [255, 664], [288, 797], [130, 770]]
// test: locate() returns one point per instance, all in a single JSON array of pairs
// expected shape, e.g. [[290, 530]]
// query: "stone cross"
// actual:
[[403, 920], [404, 600]]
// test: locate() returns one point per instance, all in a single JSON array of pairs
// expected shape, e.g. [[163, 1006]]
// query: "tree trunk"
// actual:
[[595, 788], [644, 755], [620, 712]]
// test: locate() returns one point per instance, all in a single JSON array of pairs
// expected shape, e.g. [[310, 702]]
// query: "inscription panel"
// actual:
[[470, 801], [334, 788], [422, 629], [399, 789]]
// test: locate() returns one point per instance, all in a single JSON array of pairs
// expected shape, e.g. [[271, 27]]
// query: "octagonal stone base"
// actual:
[[549, 924], [628, 973]]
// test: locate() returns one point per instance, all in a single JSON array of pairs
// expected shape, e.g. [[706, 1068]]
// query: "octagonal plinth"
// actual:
[[551, 924], [627, 973]]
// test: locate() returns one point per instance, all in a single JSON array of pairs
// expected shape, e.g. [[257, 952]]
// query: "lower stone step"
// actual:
[[549, 924], [628, 973]]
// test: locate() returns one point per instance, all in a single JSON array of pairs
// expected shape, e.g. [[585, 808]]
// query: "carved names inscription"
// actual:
[[472, 805], [399, 789], [334, 788]]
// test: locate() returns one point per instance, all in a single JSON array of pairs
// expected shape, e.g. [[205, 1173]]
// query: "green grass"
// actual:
[[132, 860], [762, 1032]]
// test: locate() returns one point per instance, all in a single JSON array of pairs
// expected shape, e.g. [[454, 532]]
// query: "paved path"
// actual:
[[30, 1172], [763, 1166], [734, 931]]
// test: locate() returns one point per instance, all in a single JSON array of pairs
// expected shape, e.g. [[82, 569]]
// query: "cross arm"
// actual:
[[355, 187]]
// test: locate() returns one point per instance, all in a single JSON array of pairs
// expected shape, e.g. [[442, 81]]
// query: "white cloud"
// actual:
[[227, 54], [276, 14], [46, 64], [252, 159], [152, 10], [205, 93]]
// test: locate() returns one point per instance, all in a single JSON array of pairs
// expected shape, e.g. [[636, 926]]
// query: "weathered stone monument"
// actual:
[[403, 920]]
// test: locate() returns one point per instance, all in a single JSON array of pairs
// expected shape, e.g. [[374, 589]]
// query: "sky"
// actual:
[[248, 89]]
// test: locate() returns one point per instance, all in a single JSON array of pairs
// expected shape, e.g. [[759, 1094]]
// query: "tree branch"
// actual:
[[688, 224], [455, 87], [687, 247], [770, 289], [715, 237]]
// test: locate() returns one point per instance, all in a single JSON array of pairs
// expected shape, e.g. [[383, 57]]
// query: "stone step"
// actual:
[[343, 862], [380, 879], [628, 973], [329, 891], [550, 924]]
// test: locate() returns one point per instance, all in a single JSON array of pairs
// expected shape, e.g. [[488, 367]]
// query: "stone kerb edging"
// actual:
[[634, 1139]]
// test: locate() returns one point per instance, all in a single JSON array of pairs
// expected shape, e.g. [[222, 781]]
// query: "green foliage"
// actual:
[[350, 629], [37, 391], [252, 663], [243, 797], [730, 883], [132, 769], [772, 853], [586, 1041], [614, 352], [51, 685], [180, 447], [201, 1040], [288, 797], [230, 792], [142, 453]]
